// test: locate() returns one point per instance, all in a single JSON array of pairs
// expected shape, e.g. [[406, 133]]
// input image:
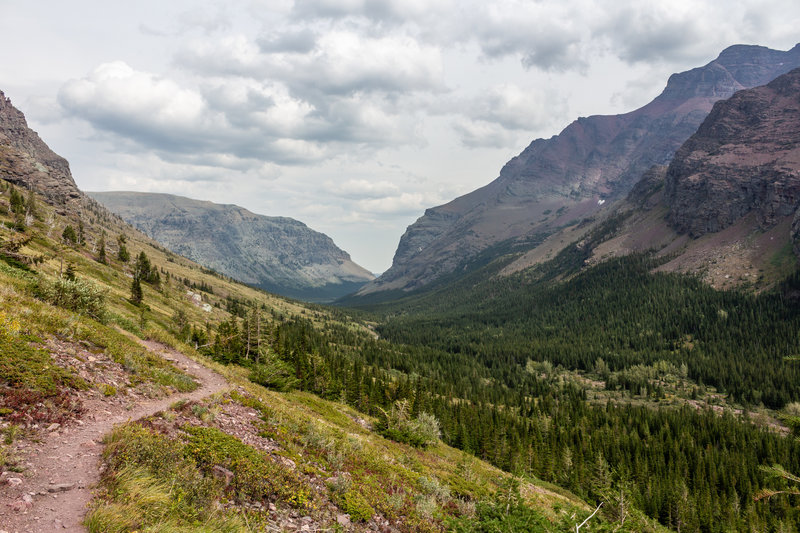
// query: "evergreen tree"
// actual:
[[122, 252], [101, 253], [81, 235], [136, 291], [69, 236]]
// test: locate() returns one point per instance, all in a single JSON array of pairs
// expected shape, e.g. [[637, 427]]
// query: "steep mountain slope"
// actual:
[[726, 208], [744, 158], [28, 162], [569, 176], [278, 254]]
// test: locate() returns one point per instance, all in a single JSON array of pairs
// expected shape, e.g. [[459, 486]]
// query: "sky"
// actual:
[[353, 116]]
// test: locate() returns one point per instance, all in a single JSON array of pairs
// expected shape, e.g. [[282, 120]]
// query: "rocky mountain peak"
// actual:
[[569, 176], [28, 162], [744, 158]]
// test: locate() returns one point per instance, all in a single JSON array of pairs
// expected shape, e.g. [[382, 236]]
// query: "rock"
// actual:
[[14, 481], [594, 158], [23, 504], [223, 474], [744, 158], [54, 426], [343, 520], [277, 254], [61, 487], [285, 461], [28, 162]]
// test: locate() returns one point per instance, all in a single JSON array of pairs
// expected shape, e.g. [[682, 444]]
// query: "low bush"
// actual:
[[80, 296], [398, 425], [255, 476]]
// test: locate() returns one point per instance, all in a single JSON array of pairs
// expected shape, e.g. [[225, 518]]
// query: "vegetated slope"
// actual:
[[277, 254], [69, 309], [643, 345], [566, 177]]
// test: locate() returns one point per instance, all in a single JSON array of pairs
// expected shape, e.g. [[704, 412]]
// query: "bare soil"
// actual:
[[62, 464]]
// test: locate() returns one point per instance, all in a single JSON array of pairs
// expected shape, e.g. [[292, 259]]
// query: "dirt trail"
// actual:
[[63, 468]]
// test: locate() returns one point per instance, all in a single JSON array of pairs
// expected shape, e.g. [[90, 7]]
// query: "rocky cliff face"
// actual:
[[744, 158], [278, 254], [570, 175], [28, 162]]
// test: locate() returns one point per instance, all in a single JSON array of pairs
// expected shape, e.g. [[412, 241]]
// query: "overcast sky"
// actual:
[[352, 116]]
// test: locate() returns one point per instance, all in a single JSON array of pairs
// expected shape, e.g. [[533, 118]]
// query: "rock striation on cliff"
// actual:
[[278, 254], [28, 162], [744, 158], [569, 176]]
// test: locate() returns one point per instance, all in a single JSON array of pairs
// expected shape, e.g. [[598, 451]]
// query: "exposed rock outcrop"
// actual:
[[278, 254], [571, 175], [744, 158], [28, 162]]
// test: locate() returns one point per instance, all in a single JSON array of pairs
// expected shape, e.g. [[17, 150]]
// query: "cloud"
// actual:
[[115, 97], [363, 189], [403, 203], [513, 107], [299, 41], [336, 63], [236, 123], [647, 32], [482, 134], [496, 117]]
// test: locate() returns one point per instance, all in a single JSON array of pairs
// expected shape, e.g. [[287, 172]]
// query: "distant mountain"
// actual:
[[28, 162], [569, 177], [278, 254]]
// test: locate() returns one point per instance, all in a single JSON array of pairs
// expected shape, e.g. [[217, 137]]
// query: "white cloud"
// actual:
[[403, 203], [363, 189], [115, 95], [514, 107]]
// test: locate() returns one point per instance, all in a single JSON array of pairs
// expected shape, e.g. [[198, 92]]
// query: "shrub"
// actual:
[[273, 372], [354, 504], [77, 295], [255, 476], [151, 485], [398, 425]]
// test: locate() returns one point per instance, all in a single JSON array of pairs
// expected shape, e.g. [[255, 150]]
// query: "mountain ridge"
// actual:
[[570, 176], [278, 254]]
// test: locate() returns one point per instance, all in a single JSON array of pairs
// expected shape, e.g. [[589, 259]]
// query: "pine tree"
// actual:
[[81, 235], [123, 254], [101, 254], [136, 291], [68, 235]]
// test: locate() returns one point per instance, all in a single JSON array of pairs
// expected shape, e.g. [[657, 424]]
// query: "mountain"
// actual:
[[727, 208], [744, 158], [277, 254], [26, 161], [570, 176]]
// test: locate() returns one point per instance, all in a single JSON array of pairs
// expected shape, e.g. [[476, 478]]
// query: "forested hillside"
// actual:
[[607, 380]]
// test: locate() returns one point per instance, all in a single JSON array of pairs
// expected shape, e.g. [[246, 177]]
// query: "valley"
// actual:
[[620, 355]]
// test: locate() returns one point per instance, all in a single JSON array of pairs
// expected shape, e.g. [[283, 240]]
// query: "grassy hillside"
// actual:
[[248, 459]]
